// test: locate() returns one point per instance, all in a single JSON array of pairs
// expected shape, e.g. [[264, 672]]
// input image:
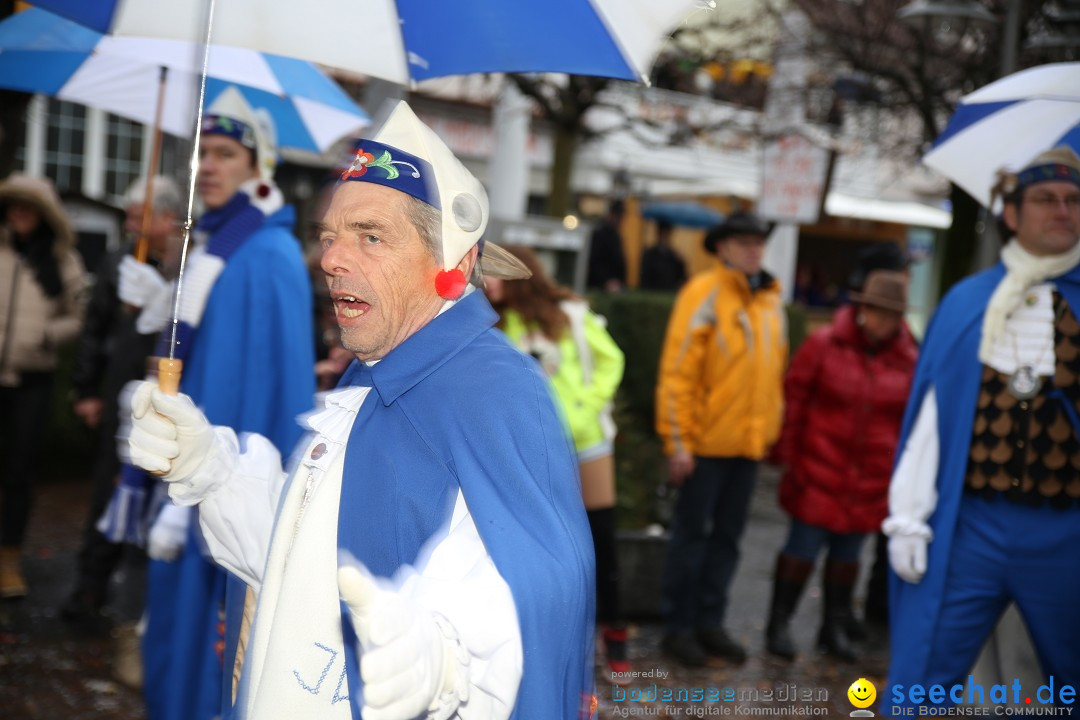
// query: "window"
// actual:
[[123, 155], [65, 142]]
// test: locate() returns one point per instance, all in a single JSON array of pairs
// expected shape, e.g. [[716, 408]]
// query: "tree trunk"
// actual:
[[559, 197], [959, 251], [12, 127]]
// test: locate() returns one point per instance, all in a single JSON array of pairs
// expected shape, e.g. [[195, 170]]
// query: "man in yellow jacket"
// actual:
[[719, 405]]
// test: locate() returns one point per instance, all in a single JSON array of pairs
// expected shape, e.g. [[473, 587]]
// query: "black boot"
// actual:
[[788, 583], [839, 584]]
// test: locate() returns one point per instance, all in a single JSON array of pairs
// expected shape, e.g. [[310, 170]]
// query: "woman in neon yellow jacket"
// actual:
[[585, 367]]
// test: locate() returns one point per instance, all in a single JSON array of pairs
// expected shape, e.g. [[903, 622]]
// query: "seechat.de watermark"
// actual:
[[1053, 698]]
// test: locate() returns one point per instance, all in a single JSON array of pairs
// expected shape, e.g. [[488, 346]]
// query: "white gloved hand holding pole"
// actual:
[[139, 283], [168, 533], [410, 659], [169, 435]]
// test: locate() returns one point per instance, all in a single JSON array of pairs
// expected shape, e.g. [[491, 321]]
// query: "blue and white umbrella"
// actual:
[[412, 40], [43, 53], [1005, 124]]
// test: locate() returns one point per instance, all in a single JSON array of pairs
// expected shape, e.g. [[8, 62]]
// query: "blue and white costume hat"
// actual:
[[408, 156], [1059, 164], [231, 115]]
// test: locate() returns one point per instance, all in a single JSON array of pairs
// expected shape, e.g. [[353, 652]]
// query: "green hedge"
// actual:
[[637, 321]]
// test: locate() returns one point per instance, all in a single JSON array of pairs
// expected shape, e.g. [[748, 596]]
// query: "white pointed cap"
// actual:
[[461, 197], [256, 131]]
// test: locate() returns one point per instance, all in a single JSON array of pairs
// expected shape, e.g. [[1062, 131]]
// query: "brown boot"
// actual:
[[839, 584], [12, 582], [127, 658], [790, 579]]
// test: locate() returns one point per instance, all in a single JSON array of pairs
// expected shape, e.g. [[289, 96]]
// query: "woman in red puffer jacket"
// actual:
[[844, 398]]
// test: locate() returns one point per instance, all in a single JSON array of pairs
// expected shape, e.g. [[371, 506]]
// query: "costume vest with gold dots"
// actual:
[[1028, 450]]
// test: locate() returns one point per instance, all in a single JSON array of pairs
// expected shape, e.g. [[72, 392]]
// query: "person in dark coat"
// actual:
[[845, 394], [607, 261], [111, 352], [662, 268]]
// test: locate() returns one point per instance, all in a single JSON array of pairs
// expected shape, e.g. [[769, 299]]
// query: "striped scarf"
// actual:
[[138, 497]]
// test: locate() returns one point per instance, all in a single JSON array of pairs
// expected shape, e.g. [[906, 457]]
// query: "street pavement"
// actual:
[[814, 685], [49, 671]]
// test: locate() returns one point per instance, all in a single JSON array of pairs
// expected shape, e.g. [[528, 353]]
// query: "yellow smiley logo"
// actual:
[[862, 693]]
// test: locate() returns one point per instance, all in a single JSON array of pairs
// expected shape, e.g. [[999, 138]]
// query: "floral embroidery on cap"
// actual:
[[365, 160]]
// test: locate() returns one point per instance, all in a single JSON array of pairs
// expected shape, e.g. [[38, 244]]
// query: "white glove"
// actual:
[[140, 283], [409, 659], [168, 533], [907, 555], [157, 312], [169, 435]]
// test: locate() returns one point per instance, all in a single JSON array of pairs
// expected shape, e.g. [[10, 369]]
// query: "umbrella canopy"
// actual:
[[686, 214], [43, 53], [1007, 123], [412, 40]]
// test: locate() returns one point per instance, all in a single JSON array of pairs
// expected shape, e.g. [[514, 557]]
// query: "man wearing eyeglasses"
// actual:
[[719, 409], [985, 497]]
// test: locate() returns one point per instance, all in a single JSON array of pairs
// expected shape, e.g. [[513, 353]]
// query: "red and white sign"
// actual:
[[794, 180]]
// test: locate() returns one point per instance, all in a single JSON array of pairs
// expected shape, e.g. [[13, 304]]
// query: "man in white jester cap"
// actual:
[[245, 336], [985, 497], [428, 555]]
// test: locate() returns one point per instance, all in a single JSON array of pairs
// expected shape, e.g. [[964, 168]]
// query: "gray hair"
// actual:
[[167, 197], [428, 223]]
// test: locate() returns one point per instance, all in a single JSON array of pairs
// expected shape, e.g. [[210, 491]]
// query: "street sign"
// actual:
[[795, 172]]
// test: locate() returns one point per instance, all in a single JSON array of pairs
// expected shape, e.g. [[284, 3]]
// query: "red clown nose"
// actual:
[[450, 284]]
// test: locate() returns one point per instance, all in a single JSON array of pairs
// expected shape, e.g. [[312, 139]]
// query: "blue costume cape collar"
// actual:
[[426, 350]]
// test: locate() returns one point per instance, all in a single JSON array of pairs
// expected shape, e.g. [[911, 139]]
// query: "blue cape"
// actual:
[[251, 367], [948, 362], [456, 406]]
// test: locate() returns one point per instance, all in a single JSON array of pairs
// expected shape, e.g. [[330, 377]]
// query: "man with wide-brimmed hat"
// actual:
[[718, 410], [985, 497], [440, 461]]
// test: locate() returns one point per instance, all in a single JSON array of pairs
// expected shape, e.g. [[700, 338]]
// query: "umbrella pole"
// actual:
[[142, 243], [169, 369]]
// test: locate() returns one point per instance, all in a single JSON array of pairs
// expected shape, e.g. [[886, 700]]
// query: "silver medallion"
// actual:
[[1024, 384]]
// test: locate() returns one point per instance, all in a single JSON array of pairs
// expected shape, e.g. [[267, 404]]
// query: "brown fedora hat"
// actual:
[[885, 289]]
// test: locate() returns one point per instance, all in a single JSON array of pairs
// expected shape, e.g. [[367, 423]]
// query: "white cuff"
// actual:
[[896, 525], [212, 472]]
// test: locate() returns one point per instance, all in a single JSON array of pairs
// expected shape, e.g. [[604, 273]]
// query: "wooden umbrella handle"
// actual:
[[169, 372]]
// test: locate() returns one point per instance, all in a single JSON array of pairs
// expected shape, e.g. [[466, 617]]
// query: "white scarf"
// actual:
[[1023, 270]]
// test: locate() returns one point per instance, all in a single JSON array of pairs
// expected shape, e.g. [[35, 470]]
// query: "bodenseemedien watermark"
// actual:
[[788, 700]]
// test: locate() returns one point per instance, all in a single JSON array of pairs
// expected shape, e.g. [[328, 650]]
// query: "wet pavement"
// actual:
[[49, 671], [812, 686]]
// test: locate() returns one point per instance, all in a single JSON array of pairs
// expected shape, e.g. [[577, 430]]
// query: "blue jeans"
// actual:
[[805, 542], [704, 548]]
